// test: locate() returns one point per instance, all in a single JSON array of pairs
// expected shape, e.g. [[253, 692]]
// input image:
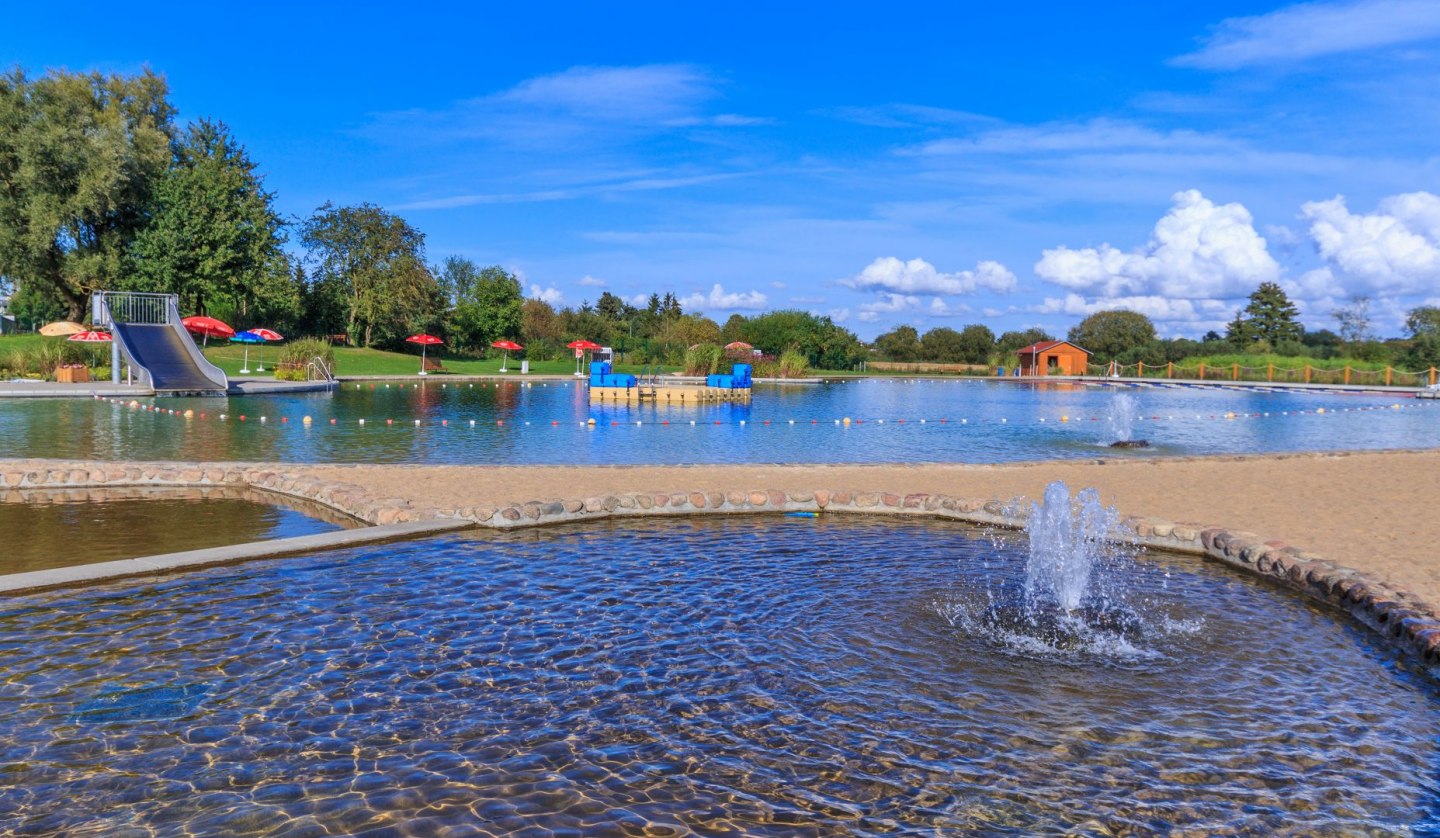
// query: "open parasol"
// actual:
[[425, 342]]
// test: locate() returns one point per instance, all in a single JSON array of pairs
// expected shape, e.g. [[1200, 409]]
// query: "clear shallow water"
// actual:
[[983, 422], [46, 529], [740, 676]]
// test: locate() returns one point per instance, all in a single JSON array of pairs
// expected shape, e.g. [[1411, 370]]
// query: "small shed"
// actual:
[[1053, 357]]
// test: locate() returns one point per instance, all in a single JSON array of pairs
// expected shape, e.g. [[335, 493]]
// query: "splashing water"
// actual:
[[1066, 539], [1073, 602], [1123, 411]]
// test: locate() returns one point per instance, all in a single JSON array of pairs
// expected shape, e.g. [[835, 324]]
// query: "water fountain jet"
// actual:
[[1124, 410]]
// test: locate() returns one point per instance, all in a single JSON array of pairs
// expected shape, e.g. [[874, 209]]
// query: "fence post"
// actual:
[[1139, 369], [1270, 373], [1202, 371], [1432, 375], [1387, 376], [1307, 373], [1170, 369], [1347, 373], [1235, 373]]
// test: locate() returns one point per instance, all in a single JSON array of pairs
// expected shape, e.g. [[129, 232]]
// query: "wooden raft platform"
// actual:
[[669, 394]]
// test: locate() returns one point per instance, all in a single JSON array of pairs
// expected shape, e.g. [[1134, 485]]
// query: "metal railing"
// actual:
[[136, 307], [316, 370]]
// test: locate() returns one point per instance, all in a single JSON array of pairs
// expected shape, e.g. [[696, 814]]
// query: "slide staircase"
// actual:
[[147, 331]]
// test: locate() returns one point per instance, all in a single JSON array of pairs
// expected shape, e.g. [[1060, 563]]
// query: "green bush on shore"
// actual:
[[296, 355], [703, 359]]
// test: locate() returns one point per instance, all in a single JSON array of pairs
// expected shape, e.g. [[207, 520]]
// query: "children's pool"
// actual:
[[549, 423], [762, 676]]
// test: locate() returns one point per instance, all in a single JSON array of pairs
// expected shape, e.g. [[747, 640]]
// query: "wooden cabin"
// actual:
[[1053, 357]]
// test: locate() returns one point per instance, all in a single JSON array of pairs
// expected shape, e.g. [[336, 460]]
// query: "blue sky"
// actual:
[[932, 165]]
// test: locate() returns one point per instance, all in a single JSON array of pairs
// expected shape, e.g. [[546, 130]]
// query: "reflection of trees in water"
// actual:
[[58, 528]]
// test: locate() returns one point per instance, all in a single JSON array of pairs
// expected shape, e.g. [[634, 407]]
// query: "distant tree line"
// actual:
[[1268, 324]]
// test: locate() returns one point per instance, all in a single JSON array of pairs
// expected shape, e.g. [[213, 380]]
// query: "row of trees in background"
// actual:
[[1268, 324]]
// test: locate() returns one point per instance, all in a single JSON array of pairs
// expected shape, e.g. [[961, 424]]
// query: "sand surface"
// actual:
[[1377, 511]]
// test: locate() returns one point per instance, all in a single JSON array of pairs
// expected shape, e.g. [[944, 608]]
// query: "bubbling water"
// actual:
[[1124, 409], [1072, 602]]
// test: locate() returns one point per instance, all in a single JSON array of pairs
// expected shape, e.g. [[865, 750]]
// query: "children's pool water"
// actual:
[[547, 422], [741, 676], [43, 529]]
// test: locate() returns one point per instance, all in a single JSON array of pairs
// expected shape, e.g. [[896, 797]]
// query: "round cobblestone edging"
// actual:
[[1399, 616]]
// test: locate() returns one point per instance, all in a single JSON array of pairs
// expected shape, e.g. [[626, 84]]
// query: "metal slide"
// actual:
[[148, 332]]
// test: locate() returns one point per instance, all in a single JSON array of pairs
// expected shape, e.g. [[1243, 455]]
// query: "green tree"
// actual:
[[487, 304], [80, 155], [373, 264], [976, 343], [1423, 321], [213, 236], [1013, 341], [899, 344], [1268, 317], [1109, 334], [942, 345]]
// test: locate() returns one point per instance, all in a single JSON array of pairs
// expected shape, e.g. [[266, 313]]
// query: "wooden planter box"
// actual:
[[72, 375]]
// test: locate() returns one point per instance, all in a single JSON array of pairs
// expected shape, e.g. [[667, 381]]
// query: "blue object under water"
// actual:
[[142, 705]]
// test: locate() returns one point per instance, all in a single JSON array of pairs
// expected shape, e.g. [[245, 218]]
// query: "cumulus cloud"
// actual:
[[1310, 30], [1395, 249], [889, 304], [1163, 309], [920, 277], [549, 295], [940, 308], [592, 282], [720, 299], [1198, 249], [838, 315]]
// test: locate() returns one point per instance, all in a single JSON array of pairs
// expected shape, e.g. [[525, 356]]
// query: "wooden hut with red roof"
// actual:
[[1053, 357]]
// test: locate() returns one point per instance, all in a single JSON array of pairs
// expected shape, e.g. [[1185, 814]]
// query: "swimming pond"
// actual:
[[546, 423], [661, 677]]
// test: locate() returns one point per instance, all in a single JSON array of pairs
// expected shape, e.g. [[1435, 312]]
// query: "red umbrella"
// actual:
[[508, 346], [91, 337], [269, 335], [207, 327], [581, 347], [424, 341]]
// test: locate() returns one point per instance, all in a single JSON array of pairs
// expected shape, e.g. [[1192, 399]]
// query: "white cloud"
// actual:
[[1157, 308], [649, 92], [920, 277], [889, 304], [1062, 138], [549, 295], [1198, 250], [637, 300], [777, 285], [720, 299], [838, 315], [940, 308], [592, 282], [1395, 249], [1310, 30]]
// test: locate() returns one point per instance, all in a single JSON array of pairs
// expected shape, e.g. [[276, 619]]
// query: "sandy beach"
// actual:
[[1375, 511]]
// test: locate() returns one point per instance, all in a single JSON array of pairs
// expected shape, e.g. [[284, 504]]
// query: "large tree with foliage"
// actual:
[[485, 303], [371, 263], [1268, 317], [1014, 341], [80, 155], [824, 343], [1109, 334], [976, 343], [213, 236], [901, 343]]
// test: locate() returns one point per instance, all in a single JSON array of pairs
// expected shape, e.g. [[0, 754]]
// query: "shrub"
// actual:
[[297, 354], [703, 359]]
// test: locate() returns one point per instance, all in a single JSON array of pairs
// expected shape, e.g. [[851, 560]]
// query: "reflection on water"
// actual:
[[738, 676], [544, 423], [48, 528]]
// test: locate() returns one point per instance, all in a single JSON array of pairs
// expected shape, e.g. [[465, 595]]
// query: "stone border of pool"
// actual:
[[1397, 615]]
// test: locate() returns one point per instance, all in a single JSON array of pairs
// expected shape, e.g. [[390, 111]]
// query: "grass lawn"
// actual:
[[358, 361]]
